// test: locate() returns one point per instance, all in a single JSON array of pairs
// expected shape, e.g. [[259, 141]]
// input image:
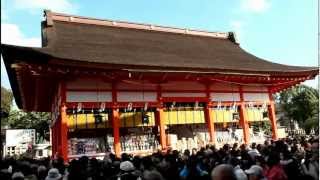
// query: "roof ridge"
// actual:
[[51, 16]]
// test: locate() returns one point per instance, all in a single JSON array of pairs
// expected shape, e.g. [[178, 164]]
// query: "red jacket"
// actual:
[[276, 173]]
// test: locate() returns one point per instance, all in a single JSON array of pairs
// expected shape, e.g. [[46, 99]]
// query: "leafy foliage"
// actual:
[[300, 104], [18, 119], [30, 120], [6, 100]]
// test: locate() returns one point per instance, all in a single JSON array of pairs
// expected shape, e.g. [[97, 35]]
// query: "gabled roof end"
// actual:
[[48, 16], [233, 38]]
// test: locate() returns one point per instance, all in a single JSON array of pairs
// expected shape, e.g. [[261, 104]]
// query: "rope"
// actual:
[[231, 82]]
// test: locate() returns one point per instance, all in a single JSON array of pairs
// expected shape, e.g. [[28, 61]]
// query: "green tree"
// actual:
[[18, 119], [6, 101], [300, 104], [30, 120]]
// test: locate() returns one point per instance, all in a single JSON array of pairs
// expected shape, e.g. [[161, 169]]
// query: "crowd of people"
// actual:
[[290, 158]]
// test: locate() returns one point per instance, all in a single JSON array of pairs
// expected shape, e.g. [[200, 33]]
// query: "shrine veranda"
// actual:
[[139, 88]]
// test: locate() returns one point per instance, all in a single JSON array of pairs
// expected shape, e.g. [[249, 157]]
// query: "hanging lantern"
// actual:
[[129, 107], [234, 106], [250, 104], [79, 108], [219, 105], [173, 104], [145, 106], [102, 107], [264, 105], [196, 105]]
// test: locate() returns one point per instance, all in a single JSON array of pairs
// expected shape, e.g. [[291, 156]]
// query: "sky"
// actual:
[[282, 31]]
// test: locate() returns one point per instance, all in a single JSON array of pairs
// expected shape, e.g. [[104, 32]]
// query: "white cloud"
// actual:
[[313, 83], [11, 34], [255, 6], [237, 27], [55, 5]]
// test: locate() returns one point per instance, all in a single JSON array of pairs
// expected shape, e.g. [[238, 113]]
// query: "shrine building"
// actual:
[[137, 88]]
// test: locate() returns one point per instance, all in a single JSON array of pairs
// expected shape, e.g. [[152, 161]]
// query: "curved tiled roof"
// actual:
[[120, 43], [141, 46]]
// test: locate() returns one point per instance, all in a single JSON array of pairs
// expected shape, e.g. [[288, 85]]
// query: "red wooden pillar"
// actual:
[[116, 132], [243, 118], [53, 140], [209, 116], [160, 121], [272, 117], [159, 118], [58, 139], [64, 133], [115, 118], [244, 124], [210, 123]]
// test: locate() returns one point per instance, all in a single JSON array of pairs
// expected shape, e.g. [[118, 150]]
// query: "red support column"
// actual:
[[272, 117], [58, 130], [53, 140], [56, 138], [116, 132], [210, 123], [209, 116], [244, 124], [115, 117], [243, 118], [64, 133], [160, 120]]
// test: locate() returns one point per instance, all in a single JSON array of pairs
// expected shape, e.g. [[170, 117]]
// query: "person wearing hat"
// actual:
[[223, 172], [54, 174], [127, 171], [255, 173], [17, 176], [126, 166]]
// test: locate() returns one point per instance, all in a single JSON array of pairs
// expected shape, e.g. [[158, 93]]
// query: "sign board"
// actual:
[[15, 137], [282, 133]]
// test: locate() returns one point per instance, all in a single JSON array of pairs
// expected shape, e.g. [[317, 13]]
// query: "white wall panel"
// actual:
[[225, 96], [169, 94], [76, 96], [254, 88], [136, 85], [136, 96], [224, 86], [87, 83], [183, 85], [256, 96]]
